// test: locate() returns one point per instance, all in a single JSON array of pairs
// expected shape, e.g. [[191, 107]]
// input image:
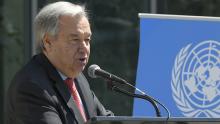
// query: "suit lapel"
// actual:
[[61, 87], [86, 95]]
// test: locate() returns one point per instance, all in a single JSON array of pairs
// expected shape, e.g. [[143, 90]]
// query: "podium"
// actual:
[[151, 120]]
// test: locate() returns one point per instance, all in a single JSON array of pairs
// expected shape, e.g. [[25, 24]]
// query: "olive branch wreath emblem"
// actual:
[[178, 95]]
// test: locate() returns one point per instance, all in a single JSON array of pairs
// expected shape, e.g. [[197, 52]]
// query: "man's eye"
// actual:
[[75, 39], [87, 40]]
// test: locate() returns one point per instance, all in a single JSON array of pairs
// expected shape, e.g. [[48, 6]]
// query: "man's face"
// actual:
[[69, 50]]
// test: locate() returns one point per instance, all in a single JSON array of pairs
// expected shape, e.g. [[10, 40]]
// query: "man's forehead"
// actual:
[[76, 34], [80, 25]]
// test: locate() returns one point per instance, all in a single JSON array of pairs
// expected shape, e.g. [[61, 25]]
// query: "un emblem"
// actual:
[[196, 80]]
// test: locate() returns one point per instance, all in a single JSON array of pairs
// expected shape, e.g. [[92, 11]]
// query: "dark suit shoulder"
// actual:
[[33, 76], [30, 94], [31, 72]]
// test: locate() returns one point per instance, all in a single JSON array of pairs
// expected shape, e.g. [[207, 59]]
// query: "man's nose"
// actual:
[[83, 46]]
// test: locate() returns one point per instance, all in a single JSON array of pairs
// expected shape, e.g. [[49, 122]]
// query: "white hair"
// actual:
[[47, 19]]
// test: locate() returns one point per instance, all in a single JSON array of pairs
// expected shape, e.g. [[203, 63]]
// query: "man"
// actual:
[[51, 88]]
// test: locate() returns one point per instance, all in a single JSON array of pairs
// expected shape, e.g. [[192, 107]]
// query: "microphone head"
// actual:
[[92, 69]]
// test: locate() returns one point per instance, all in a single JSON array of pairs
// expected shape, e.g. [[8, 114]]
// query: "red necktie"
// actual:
[[72, 87]]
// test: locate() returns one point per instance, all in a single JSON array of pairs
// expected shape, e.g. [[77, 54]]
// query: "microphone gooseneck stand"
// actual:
[[115, 83], [145, 97]]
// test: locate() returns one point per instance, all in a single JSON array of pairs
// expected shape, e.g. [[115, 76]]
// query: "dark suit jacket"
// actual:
[[38, 95]]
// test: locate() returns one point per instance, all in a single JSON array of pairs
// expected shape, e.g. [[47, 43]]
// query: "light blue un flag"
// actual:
[[179, 65]]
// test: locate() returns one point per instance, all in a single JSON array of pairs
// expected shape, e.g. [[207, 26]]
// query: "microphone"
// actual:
[[95, 71]]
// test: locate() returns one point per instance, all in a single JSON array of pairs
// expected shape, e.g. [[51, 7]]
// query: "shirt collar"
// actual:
[[62, 75]]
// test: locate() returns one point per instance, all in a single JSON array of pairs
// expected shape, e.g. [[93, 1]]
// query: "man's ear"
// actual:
[[47, 41]]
